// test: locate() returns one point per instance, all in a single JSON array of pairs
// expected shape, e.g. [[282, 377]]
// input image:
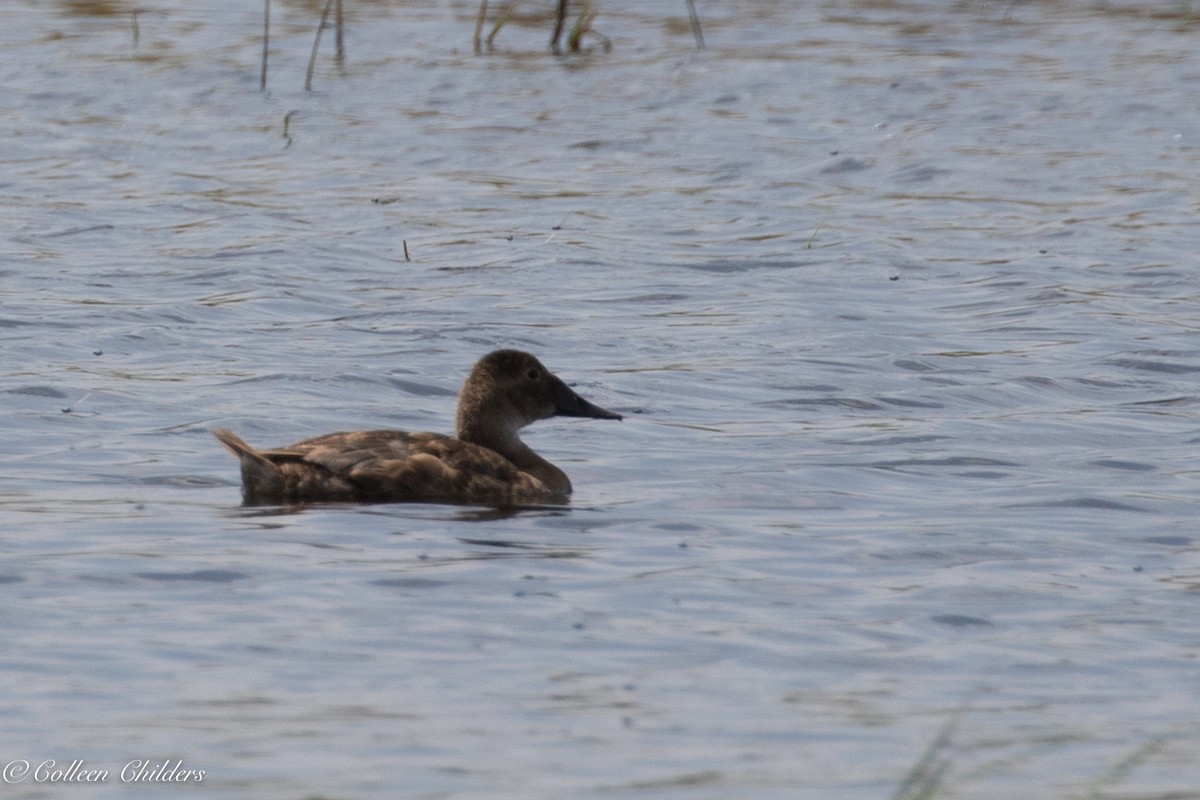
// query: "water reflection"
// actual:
[[502, 548]]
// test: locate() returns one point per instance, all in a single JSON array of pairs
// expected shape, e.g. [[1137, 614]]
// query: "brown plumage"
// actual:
[[486, 463]]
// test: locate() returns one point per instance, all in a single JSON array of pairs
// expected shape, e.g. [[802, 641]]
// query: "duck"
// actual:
[[484, 463]]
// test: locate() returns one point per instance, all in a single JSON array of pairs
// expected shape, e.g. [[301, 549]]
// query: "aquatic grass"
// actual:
[[928, 778], [508, 11], [581, 27], [808, 245], [339, 56], [560, 16], [506, 14], [287, 122], [1120, 770], [266, 40], [480, 18], [339, 47], [694, 19], [583, 24], [925, 779]]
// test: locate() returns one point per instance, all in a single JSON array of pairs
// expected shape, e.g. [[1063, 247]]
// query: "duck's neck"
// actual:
[[511, 447]]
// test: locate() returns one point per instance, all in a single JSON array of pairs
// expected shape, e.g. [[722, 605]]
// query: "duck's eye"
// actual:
[[533, 374]]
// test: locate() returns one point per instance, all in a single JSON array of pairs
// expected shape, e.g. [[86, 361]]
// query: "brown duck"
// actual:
[[486, 463]]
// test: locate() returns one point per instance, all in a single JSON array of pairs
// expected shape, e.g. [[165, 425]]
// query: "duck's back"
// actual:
[[383, 466]]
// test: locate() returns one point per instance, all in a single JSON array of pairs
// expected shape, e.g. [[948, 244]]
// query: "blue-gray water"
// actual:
[[899, 301]]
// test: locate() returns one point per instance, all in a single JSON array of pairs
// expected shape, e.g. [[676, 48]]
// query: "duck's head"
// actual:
[[507, 390]]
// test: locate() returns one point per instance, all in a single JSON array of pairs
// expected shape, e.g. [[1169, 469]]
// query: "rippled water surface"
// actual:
[[899, 302]]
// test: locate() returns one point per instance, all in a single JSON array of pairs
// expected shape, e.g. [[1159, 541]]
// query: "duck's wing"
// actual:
[[352, 451], [397, 466]]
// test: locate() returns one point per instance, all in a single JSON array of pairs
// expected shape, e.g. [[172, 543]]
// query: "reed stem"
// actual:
[[695, 20], [262, 80], [479, 19], [559, 20], [312, 60]]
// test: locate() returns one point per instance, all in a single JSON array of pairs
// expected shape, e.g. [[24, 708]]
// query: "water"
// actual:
[[898, 300]]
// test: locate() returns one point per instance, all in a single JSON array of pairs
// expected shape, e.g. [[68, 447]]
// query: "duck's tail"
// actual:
[[262, 480], [234, 444]]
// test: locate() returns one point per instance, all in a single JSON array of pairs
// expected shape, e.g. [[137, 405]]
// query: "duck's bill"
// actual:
[[569, 404]]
